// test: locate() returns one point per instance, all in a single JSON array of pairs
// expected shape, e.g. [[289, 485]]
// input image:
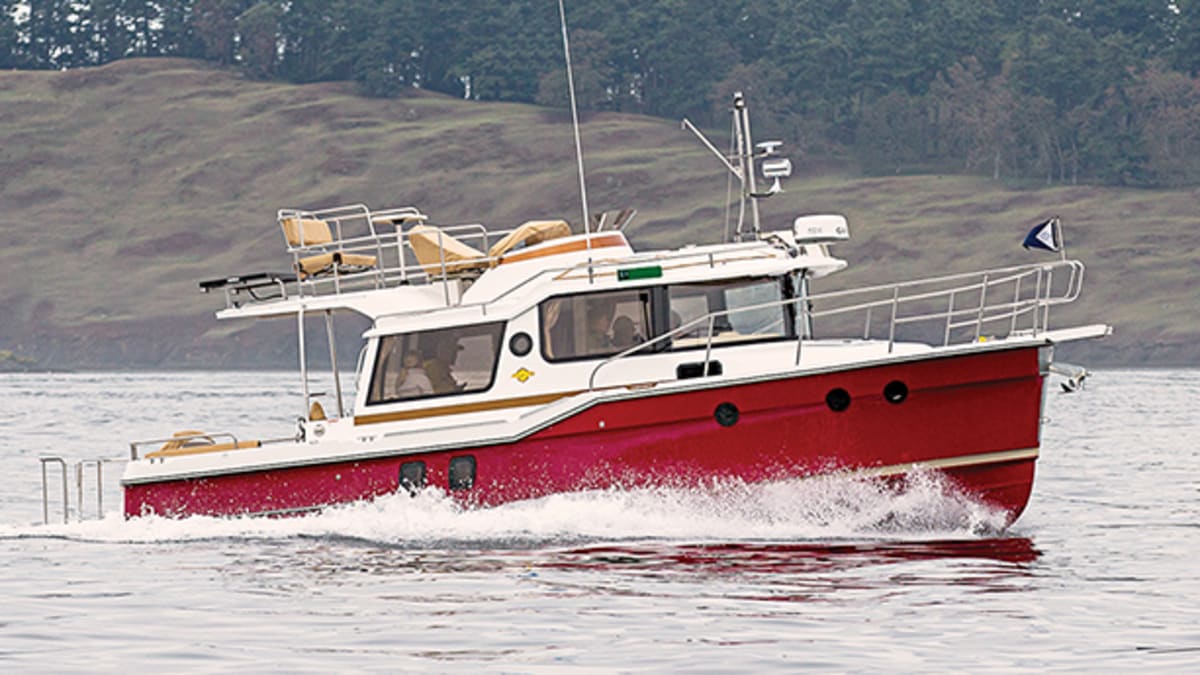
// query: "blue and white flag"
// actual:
[[1044, 236]]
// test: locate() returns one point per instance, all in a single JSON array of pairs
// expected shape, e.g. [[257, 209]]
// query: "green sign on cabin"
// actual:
[[635, 273]]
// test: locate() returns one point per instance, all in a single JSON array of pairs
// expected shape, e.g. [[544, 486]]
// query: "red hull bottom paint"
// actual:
[[974, 417]]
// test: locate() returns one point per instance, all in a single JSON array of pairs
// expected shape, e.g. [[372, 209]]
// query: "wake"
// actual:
[[812, 509]]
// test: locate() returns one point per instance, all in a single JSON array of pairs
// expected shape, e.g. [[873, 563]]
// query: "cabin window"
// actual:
[[595, 324], [431, 363], [692, 302]]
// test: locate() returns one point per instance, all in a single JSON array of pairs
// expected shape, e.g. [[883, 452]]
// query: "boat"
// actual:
[[550, 357]]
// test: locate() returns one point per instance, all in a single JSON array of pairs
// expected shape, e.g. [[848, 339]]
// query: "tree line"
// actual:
[[1057, 91]]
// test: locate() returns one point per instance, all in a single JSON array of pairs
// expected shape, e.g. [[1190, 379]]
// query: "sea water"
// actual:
[[1101, 573]]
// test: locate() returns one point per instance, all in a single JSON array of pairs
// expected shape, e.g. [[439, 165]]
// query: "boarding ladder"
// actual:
[[79, 469]]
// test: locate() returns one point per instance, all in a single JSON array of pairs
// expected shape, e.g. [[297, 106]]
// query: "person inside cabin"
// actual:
[[438, 368], [413, 382], [624, 333], [599, 320]]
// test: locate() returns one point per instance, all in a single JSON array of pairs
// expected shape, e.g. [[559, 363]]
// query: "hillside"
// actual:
[[122, 186]]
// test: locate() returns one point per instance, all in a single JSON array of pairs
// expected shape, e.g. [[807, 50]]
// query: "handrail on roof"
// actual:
[[390, 252]]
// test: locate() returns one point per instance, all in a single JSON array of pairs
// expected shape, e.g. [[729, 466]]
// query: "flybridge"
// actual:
[[342, 257]]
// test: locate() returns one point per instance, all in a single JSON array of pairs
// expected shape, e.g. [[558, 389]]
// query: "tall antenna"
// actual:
[[587, 223]]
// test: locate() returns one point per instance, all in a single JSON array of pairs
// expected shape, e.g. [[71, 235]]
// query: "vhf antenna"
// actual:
[[587, 223]]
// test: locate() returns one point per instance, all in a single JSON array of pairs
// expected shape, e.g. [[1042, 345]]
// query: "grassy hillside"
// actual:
[[122, 186]]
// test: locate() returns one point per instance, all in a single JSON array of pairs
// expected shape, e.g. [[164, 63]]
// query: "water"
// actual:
[[1100, 572]]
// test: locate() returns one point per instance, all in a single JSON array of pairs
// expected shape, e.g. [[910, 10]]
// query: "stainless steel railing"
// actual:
[[952, 302], [80, 471], [182, 440], [356, 229]]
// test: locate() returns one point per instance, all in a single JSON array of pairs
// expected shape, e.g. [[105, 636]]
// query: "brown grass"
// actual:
[[122, 186]]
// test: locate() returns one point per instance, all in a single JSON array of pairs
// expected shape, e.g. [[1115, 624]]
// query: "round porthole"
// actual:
[[895, 391], [726, 414], [837, 399], [520, 344]]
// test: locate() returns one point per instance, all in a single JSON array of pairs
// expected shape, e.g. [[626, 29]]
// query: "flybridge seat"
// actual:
[[309, 235], [433, 247], [530, 233]]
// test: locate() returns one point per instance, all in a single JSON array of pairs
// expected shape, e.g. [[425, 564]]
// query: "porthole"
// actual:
[[726, 414], [520, 344], [837, 399], [412, 476], [895, 391], [462, 473]]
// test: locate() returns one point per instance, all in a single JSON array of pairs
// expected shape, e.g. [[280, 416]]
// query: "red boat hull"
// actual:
[[975, 417]]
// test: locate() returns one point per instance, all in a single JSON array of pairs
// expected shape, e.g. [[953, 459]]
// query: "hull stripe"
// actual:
[[945, 463], [480, 406]]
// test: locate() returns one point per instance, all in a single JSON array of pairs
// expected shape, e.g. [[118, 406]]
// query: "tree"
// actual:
[[385, 62], [1166, 114], [177, 34], [10, 47], [50, 30], [591, 72], [215, 23], [258, 46], [1185, 53], [893, 134]]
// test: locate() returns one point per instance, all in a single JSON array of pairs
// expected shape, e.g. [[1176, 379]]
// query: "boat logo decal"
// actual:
[[522, 375]]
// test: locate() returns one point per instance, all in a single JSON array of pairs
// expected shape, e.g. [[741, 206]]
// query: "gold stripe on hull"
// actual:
[[480, 406], [946, 463]]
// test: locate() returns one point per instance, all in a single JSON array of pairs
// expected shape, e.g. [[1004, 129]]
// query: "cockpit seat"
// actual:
[[312, 234]]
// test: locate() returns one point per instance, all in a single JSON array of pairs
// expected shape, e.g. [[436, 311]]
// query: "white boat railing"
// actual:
[[963, 308], [357, 230]]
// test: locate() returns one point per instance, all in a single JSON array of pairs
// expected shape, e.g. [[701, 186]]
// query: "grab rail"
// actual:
[[134, 445], [895, 299]]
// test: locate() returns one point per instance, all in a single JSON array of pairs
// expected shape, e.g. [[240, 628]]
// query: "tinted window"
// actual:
[[441, 362], [692, 302], [594, 325]]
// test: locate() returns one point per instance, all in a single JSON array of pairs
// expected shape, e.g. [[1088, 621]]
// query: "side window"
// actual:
[[594, 325], [762, 322], [735, 303], [441, 362]]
